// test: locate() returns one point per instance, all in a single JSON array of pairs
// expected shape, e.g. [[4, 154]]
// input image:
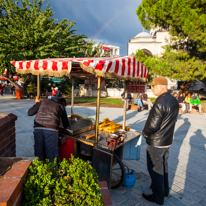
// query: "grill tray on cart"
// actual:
[[78, 125]]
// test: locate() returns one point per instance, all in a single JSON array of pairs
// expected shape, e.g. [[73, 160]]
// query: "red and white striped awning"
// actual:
[[124, 67]]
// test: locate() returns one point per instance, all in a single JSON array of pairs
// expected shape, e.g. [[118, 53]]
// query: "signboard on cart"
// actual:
[[137, 87]]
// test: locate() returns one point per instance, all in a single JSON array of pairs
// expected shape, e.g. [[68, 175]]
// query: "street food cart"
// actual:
[[105, 151]]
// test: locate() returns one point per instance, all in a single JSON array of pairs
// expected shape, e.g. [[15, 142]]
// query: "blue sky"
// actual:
[[111, 21]]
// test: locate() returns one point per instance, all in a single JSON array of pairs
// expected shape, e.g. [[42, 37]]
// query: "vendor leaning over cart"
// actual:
[[46, 123], [158, 132]]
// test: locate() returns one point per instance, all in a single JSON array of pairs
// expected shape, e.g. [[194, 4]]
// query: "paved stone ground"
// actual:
[[187, 161]]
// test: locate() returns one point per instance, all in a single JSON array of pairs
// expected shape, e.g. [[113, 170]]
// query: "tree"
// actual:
[[29, 32], [92, 49], [185, 54]]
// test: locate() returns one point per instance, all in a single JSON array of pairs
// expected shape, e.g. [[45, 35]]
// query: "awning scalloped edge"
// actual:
[[67, 73], [44, 73]]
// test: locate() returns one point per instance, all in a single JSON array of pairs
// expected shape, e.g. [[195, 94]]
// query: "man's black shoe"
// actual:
[[149, 198]]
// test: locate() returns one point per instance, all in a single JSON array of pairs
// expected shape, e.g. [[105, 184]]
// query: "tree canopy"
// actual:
[[29, 32], [185, 55]]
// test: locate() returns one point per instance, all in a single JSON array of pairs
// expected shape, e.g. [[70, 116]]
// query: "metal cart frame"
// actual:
[[109, 158]]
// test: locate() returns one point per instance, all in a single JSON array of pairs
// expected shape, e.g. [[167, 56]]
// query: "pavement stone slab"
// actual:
[[117, 198], [132, 198], [187, 160], [174, 201], [202, 202]]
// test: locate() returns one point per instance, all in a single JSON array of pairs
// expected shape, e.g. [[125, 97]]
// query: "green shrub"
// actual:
[[74, 183], [66, 86]]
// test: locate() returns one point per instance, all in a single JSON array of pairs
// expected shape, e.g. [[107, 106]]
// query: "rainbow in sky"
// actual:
[[115, 16]]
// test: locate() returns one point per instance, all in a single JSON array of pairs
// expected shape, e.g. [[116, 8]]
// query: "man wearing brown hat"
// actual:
[[158, 132]]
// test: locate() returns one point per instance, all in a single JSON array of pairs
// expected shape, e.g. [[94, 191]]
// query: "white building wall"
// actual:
[[114, 92], [153, 44], [154, 48]]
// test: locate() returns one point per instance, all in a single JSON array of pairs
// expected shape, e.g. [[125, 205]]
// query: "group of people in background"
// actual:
[[56, 93], [142, 101], [2, 89], [186, 103]]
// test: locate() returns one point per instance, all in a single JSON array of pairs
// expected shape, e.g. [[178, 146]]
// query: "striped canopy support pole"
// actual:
[[38, 86], [72, 102], [125, 103], [97, 109]]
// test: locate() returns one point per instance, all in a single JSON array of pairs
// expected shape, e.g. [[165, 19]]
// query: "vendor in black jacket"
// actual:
[[46, 123], [158, 132]]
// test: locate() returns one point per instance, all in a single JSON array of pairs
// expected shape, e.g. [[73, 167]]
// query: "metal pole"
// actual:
[[38, 86], [125, 104], [97, 109], [72, 102]]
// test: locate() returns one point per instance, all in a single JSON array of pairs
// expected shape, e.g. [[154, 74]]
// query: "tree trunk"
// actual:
[[25, 84], [184, 87], [14, 83]]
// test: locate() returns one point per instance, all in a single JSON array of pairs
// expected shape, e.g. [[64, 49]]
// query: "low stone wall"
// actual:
[[7, 135], [11, 185], [114, 92]]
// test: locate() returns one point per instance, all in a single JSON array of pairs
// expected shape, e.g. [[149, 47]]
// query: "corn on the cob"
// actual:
[[105, 120], [76, 115], [90, 136]]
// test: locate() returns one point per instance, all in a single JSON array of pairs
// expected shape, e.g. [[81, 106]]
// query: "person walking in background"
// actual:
[[158, 132], [12, 90], [195, 101], [3, 85], [1, 90], [129, 98]]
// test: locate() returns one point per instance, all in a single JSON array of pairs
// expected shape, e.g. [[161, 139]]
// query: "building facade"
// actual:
[[151, 43], [110, 50]]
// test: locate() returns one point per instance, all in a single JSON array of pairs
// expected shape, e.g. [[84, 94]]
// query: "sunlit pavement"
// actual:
[[187, 161]]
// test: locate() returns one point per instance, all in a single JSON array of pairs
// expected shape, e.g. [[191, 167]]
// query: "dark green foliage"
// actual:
[[184, 58], [28, 32], [66, 86], [45, 82], [73, 183], [91, 49]]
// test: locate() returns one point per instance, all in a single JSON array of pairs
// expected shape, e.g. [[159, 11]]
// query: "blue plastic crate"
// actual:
[[132, 148]]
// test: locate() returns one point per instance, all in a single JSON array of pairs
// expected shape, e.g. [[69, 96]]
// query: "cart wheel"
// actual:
[[118, 172]]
